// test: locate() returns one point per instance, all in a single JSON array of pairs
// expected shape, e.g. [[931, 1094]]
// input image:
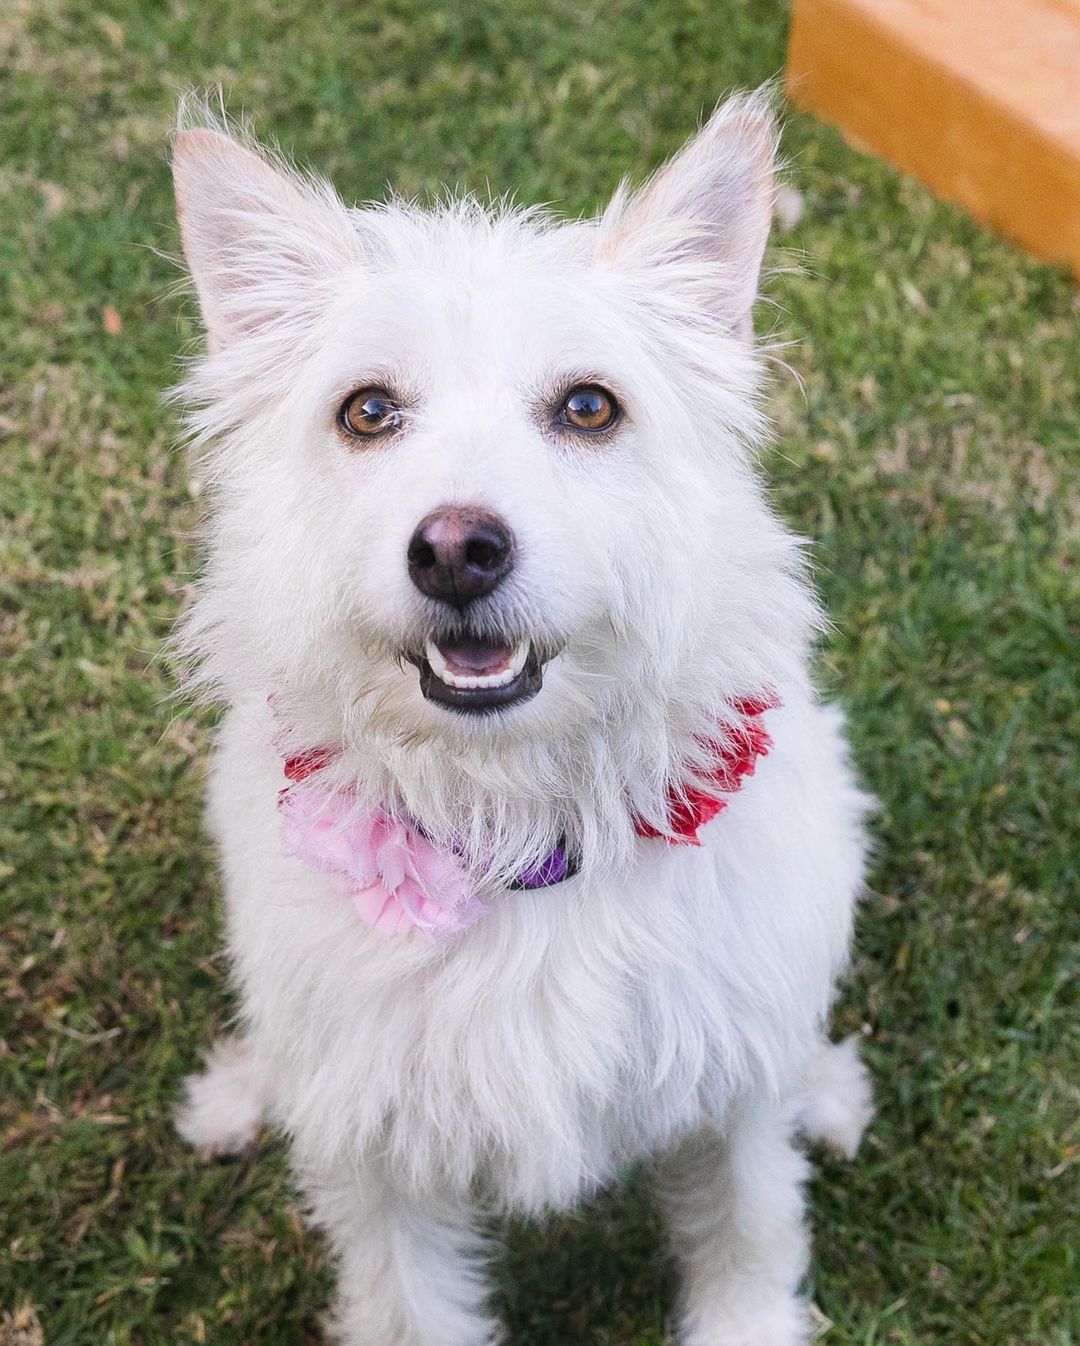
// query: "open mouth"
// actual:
[[471, 674]]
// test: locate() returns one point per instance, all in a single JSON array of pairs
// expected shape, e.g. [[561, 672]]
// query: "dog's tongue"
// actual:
[[469, 656]]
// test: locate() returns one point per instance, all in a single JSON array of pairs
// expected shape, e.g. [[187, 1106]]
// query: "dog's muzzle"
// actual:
[[457, 555]]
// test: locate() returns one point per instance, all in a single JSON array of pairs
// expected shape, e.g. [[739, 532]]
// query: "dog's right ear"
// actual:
[[258, 237]]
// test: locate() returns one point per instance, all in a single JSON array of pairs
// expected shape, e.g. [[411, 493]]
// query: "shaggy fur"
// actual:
[[668, 1004]]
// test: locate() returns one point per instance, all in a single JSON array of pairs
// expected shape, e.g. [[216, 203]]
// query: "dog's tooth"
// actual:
[[496, 679], [518, 658], [435, 658]]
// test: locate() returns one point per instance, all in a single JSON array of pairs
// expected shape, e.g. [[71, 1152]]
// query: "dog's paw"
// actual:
[[839, 1102], [763, 1316], [766, 1329], [223, 1106]]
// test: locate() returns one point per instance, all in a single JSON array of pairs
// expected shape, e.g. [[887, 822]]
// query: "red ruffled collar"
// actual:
[[733, 758]]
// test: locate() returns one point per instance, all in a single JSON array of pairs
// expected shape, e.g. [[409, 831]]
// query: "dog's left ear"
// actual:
[[711, 206]]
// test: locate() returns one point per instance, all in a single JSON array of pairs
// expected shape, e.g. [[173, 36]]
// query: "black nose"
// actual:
[[459, 553]]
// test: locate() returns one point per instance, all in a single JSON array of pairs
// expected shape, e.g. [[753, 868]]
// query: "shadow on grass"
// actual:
[[596, 1277]]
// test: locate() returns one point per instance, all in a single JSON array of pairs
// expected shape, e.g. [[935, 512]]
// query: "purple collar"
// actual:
[[553, 869]]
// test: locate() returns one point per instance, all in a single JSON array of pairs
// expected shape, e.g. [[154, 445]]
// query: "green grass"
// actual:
[[932, 456]]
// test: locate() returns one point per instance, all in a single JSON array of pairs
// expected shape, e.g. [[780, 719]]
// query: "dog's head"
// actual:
[[481, 484]]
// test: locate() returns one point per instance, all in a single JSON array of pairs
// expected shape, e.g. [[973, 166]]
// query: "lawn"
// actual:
[[927, 441]]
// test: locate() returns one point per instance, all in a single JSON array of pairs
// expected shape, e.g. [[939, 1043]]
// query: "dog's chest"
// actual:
[[566, 1034], [536, 1066]]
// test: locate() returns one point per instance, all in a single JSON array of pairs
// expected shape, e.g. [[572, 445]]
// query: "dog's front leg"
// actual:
[[410, 1265], [733, 1204]]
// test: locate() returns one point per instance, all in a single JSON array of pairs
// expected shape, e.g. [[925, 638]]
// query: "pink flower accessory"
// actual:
[[397, 879]]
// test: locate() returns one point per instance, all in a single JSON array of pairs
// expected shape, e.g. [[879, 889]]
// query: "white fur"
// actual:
[[838, 1102], [223, 1107], [669, 1002]]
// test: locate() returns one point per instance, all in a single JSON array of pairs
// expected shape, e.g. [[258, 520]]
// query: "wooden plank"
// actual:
[[979, 99]]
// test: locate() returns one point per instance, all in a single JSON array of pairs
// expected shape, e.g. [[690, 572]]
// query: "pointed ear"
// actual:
[[256, 236], [710, 206]]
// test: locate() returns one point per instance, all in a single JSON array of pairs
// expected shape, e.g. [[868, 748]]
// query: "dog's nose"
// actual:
[[459, 553]]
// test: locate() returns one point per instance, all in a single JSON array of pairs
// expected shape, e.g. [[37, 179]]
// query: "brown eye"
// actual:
[[589, 407], [369, 412]]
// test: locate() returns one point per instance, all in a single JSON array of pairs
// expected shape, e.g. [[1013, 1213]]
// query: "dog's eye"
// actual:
[[369, 412], [588, 407]]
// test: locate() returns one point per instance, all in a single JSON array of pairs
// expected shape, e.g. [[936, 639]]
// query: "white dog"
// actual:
[[540, 853]]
